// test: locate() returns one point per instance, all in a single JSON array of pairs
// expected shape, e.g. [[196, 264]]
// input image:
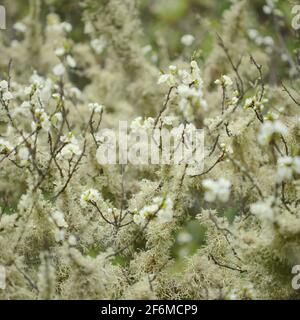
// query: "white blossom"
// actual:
[[172, 68], [187, 91], [286, 167], [187, 40], [161, 210], [268, 41], [59, 235], [59, 51], [165, 214], [189, 88], [249, 103], [3, 85], [96, 107], [43, 119], [99, 44], [59, 219], [296, 165], [224, 81], [253, 33], [59, 70], [20, 27], [217, 190], [66, 26], [140, 124], [139, 219], [25, 105], [69, 138], [7, 96], [196, 73], [90, 195], [88, 27], [184, 237], [23, 154], [255, 103], [72, 240], [268, 129], [75, 92], [71, 61], [185, 76], [28, 90], [263, 209], [267, 10], [57, 118], [167, 78], [169, 120], [5, 146], [46, 124], [70, 150]]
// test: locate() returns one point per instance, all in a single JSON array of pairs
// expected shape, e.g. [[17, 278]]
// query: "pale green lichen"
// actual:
[[71, 228]]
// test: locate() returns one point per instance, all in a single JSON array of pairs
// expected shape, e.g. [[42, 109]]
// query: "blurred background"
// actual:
[[165, 22]]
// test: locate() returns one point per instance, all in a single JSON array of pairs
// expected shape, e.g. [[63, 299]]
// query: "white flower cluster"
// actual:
[[39, 90], [161, 211], [42, 120], [90, 195], [88, 27], [217, 190], [5, 146], [23, 155], [5, 94], [169, 120], [225, 81], [59, 70], [263, 209], [56, 26], [266, 42], [255, 103], [20, 27], [71, 61], [271, 8], [57, 118], [74, 92], [189, 86], [99, 44], [71, 148], [269, 129], [59, 220], [61, 225], [184, 237], [168, 78], [96, 107], [142, 124], [60, 51], [187, 40], [287, 167]]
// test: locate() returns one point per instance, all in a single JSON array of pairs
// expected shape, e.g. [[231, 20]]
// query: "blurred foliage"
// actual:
[[164, 20]]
